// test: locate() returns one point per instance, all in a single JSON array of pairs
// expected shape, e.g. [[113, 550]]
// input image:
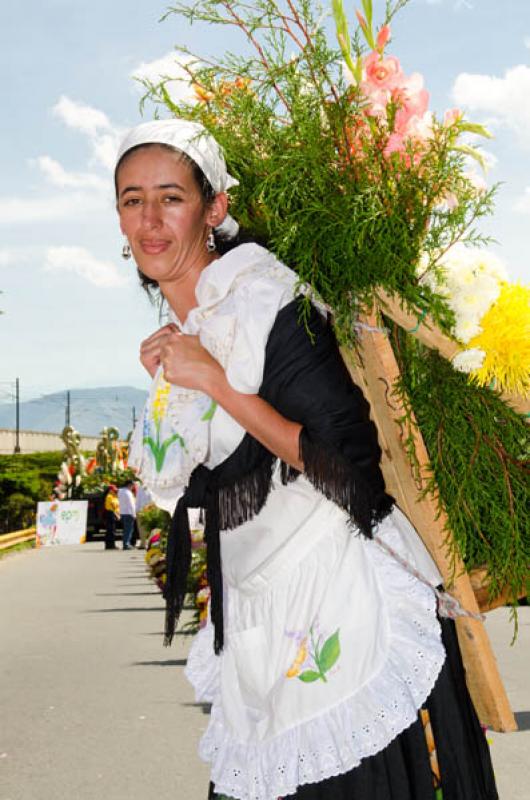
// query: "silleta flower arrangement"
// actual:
[[343, 168], [353, 181]]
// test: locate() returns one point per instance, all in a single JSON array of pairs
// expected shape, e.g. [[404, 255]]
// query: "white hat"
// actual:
[[191, 138]]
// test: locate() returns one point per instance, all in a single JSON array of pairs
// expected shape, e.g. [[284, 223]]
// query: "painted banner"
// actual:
[[61, 522]]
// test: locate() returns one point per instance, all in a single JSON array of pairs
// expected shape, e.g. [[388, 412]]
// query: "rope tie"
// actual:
[[448, 606]]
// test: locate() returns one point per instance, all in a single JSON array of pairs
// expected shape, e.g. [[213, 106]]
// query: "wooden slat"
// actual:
[[377, 376], [480, 582]]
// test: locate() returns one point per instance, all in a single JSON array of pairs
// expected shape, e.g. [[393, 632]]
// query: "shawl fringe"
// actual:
[[338, 480], [240, 501], [178, 559]]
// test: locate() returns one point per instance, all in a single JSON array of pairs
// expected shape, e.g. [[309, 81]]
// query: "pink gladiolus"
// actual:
[[452, 116], [378, 100], [383, 37], [412, 101], [395, 144], [382, 73], [420, 128]]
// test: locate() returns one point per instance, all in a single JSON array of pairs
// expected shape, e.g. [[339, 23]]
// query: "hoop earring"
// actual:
[[126, 250], [210, 242]]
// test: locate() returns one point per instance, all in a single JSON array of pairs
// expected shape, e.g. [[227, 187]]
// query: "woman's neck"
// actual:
[[180, 295]]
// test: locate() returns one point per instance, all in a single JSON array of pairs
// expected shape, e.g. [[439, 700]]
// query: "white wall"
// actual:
[[37, 442]]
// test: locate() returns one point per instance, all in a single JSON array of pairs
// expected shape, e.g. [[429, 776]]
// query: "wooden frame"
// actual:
[[377, 376]]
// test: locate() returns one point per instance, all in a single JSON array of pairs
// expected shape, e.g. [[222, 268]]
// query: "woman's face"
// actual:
[[163, 215]]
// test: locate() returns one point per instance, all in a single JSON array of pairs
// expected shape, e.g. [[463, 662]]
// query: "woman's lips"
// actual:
[[154, 247]]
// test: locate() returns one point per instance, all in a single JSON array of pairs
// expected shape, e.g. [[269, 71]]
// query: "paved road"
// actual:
[[94, 708]]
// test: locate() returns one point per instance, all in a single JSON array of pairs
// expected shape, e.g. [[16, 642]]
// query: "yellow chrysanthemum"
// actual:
[[505, 339]]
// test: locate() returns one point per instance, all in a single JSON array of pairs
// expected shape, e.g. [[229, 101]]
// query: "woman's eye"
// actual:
[[172, 198], [132, 201]]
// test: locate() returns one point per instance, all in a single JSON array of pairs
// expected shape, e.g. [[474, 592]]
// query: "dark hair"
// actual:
[[222, 243]]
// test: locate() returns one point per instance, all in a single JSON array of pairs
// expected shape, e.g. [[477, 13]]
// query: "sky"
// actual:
[[73, 312]]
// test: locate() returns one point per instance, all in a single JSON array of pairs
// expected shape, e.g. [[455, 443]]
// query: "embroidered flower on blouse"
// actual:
[[159, 406], [157, 446], [314, 658]]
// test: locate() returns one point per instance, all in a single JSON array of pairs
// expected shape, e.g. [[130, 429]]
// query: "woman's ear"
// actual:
[[217, 210]]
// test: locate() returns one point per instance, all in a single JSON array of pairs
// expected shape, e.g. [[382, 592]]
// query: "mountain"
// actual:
[[90, 410]]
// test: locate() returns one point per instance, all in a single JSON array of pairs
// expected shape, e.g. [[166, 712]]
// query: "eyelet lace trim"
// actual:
[[337, 740]]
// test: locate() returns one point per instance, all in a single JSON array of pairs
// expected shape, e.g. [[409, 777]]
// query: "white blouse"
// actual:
[[238, 298]]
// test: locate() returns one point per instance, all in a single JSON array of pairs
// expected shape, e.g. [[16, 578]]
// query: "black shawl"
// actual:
[[305, 379]]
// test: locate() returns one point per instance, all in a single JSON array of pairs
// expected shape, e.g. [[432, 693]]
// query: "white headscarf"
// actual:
[[193, 139]]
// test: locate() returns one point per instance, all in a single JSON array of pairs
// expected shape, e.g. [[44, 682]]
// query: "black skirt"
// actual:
[[403, 770]]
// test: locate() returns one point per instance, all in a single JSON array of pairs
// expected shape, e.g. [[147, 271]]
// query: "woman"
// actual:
[[324, 656]]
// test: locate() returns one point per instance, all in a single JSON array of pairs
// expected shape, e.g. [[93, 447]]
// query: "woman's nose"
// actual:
[[151, 214]]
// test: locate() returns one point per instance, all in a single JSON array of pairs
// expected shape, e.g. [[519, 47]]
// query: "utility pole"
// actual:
[[67, 414], [134, 417], [17, 412]]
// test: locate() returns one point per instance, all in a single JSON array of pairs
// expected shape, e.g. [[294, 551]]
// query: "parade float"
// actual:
[[376, 201]]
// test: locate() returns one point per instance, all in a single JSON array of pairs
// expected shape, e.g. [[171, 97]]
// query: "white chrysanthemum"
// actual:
[[473, 301], [466, 328], [469, 360], [459, 258], [489, 264]]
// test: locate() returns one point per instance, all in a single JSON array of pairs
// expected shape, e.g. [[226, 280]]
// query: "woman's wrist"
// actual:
[[215, 383]]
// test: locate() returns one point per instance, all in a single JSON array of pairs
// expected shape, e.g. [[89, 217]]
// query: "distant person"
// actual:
[[127, 504], [143, 499], [111, 515]]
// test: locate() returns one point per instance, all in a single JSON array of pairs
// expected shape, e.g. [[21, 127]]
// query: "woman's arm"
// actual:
[[277, 433], [187, 363]]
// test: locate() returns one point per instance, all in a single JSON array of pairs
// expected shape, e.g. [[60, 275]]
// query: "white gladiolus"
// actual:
[[469, 360]]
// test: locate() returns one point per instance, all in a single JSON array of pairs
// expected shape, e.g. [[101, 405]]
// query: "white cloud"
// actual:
[[27, 210], [169, 68], [104, 274], [527, 41], [505, 99], [103, 136], [522, 204], [56, 174], [81, 117], [84, 192], [17, 255]]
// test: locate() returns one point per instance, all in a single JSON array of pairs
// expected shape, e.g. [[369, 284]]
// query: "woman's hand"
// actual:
[[187, 363], [151, 347]]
